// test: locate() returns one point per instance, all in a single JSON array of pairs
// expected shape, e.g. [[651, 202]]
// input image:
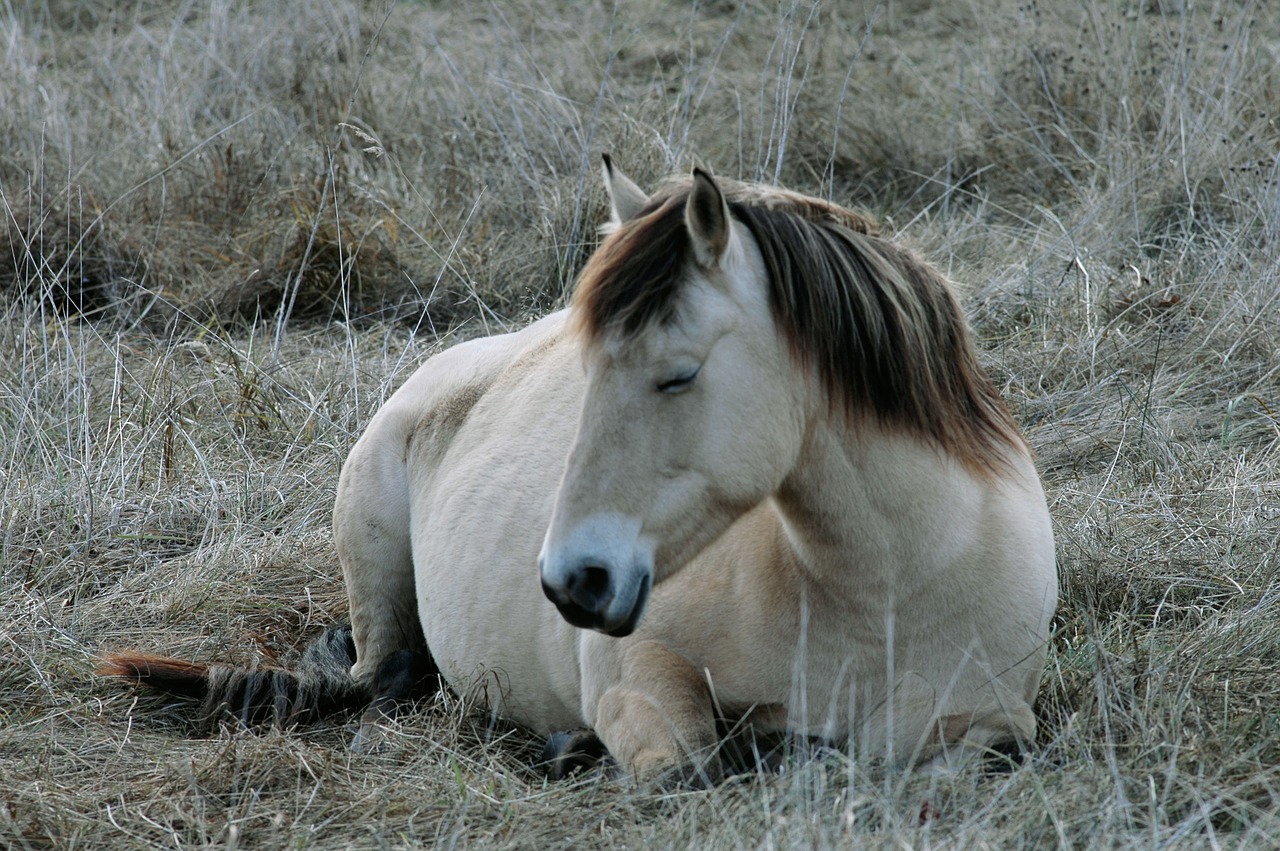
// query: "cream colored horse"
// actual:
[[754, 471]]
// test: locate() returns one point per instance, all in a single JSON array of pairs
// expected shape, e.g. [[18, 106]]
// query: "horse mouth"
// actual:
[[628, 626]]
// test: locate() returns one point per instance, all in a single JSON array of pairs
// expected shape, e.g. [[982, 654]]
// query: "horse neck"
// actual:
[[863, 500]]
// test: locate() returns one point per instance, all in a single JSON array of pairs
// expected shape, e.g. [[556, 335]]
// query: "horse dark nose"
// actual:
[[582, 596], [589, 587]]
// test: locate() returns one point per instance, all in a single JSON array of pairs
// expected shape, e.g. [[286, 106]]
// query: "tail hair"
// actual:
[[320, 685]]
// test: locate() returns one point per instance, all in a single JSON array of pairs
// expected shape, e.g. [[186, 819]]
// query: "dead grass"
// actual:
[[231, 229]]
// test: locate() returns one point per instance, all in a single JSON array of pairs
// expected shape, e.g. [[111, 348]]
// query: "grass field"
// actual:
[[231, 229]]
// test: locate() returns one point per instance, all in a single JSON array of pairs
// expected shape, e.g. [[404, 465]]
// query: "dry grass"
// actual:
[[231, 229]]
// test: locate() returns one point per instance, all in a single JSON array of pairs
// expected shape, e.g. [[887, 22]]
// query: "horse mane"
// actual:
[[881, 327]]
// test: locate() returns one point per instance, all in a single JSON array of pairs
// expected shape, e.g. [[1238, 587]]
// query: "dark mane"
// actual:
[[881, 328]]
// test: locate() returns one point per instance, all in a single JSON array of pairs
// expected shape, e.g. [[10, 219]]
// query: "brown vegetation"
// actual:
[[229, 230]]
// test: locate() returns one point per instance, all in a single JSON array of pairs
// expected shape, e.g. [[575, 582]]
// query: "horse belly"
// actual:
[[478, 525]]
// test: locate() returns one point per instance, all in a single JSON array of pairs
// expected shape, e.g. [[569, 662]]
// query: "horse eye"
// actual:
[[676, 385]]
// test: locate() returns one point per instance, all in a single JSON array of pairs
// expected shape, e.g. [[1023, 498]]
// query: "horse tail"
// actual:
[[320, 685]]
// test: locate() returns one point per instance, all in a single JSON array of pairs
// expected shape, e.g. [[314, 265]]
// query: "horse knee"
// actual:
[[659, 722]]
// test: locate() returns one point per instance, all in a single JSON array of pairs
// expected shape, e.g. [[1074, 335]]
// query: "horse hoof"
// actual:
[[567, 753], [369, 739]]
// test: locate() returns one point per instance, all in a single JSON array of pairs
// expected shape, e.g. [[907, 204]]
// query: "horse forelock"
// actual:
[[880, 327], [632, 278]]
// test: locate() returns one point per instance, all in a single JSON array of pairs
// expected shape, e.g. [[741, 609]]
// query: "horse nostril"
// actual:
[[553, 593], [589, 587]]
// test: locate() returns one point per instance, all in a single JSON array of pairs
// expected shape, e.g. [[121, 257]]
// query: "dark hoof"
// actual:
[[567, 753], [402, 678], [1004, 757]]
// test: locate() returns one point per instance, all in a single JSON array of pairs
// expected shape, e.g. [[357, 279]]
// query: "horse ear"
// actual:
[[706, 215], [625, 198]]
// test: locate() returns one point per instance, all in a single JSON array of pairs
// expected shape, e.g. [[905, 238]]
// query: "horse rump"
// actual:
[[320, 685]]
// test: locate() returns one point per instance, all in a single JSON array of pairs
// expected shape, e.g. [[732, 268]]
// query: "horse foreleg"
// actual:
[[658, 721], [998, 737]]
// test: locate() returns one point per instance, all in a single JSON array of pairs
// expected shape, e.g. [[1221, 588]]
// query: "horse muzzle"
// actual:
[[598, 572], [588, 599]]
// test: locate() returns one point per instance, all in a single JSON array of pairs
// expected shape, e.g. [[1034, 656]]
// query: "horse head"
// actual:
[[693, 412]]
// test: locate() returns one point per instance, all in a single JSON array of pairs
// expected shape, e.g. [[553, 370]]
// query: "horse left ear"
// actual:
[[626, 200], [706, 215]]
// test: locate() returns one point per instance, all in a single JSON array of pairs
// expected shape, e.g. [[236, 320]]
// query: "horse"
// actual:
[[752, 477]]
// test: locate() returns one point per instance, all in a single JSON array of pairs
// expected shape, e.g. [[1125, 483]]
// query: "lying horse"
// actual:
[[765, 484]]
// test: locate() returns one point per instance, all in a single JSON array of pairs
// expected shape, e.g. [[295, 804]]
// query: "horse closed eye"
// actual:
[[678, 384]]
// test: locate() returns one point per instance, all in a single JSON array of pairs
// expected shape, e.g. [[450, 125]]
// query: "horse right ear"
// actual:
[[626, 199], [707, 217]]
